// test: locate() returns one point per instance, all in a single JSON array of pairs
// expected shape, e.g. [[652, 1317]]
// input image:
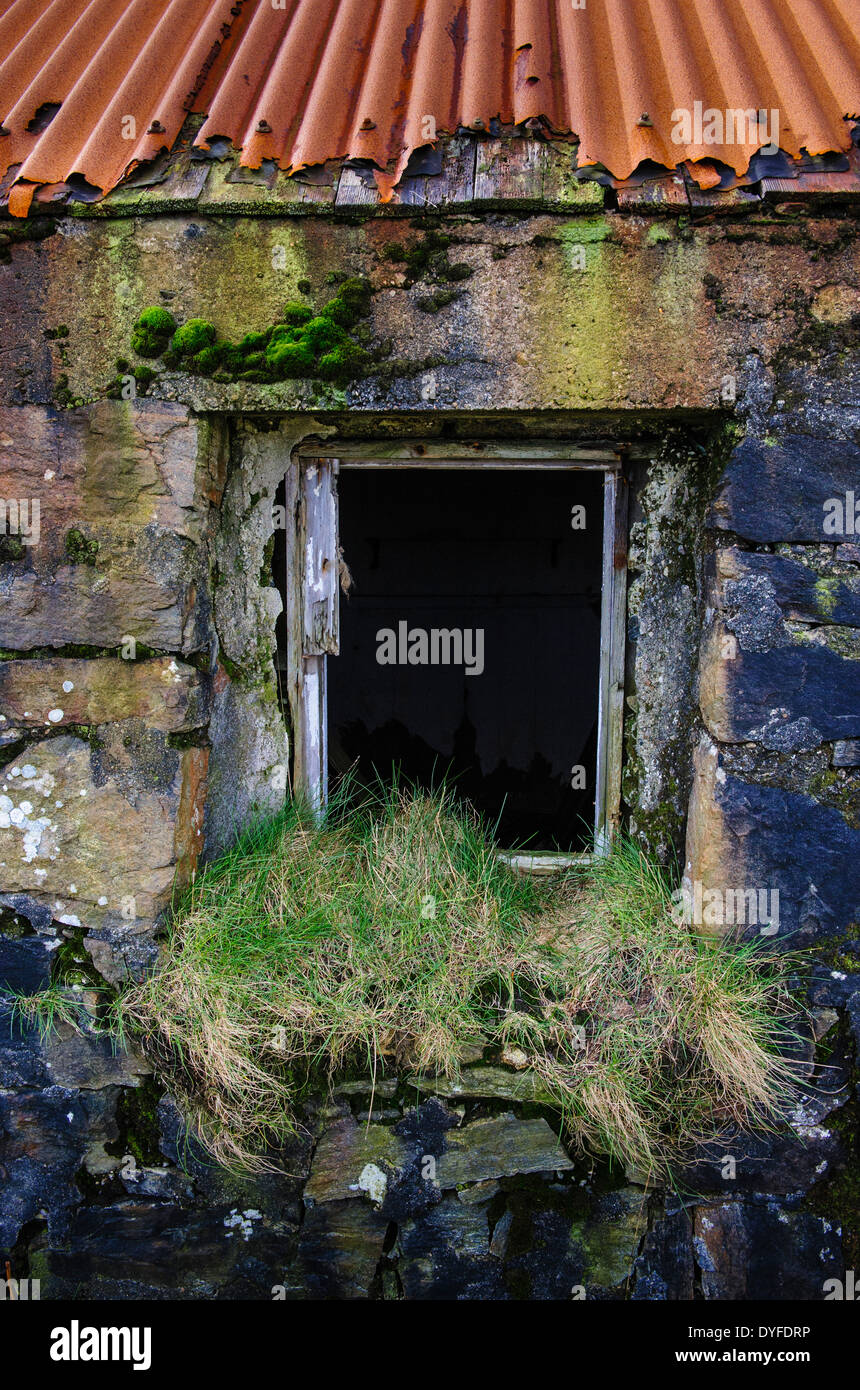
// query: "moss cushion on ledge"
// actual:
[[332, 345]]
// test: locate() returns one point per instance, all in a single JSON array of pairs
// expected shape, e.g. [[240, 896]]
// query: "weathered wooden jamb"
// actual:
[[312, 615], [613, 631]]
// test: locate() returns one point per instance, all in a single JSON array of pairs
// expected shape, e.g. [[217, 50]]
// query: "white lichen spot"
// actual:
[[102, 902], [73, 888], [69, 919], [243, 1222], [68, 685], [55, 715], [27, 808], [374, 1182], [837, 975]]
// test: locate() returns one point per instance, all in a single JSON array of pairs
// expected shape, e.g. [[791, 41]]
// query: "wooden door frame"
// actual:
[[313, 564]]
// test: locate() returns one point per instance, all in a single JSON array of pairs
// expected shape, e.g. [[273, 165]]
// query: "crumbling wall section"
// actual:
[[141, 721]]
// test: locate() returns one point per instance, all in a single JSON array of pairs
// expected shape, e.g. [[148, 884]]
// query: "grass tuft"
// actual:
[[392, 936]]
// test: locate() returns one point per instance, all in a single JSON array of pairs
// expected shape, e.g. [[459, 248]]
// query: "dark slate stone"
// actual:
[[762, 1250], [37, 914], [150, 1249], [609, 1239], [340, 1249], [776, 492], [446, 1255], [542, 1262], [21, 1059], [799, 590], [816, 692], [43, 1136], [664, 1269], [786, 841], [833, 989], [25, 964], [801, 1154], [846, 754], [820, 399]]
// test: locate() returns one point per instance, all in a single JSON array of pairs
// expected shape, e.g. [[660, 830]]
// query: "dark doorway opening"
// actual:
[[470, 640]]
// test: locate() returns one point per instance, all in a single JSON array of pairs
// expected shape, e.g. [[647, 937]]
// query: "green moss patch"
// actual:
[[331, 344], [152, 332], [80, 550]]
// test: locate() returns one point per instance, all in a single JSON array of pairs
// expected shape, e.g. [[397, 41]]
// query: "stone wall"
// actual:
[[140, 723]]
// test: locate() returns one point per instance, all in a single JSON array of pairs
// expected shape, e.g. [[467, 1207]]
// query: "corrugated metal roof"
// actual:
[[91, 88]]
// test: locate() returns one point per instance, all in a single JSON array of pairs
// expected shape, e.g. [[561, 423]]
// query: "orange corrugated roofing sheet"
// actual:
[[304, 81]]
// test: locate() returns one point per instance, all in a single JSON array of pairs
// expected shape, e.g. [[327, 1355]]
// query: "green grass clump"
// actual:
[[391, 936]]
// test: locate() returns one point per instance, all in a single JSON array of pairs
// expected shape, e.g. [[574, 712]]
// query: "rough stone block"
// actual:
[[796, 586], [803, 1152], [608, 1239], [498, 1147], [166, 694], [487, 1082], [846, 753], [340, 1248], [43, 1135], [788, 699], [343, 1154], [98, 834], [123, 503], [772, 492], [447, 1255], [763, 838], [762, 1251], [664, 1268], [25, 963]]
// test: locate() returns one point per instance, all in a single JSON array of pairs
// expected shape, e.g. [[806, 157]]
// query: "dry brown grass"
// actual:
[[392, 936]]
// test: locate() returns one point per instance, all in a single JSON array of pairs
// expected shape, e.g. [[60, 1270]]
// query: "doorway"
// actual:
[[462, 620]]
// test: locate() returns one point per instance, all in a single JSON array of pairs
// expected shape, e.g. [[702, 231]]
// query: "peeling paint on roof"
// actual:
[[90, 89]]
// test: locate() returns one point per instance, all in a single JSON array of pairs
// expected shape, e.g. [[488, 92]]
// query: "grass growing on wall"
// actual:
[[392, 935]]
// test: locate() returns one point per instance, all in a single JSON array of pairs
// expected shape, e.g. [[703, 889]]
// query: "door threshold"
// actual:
[[546, 862]]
